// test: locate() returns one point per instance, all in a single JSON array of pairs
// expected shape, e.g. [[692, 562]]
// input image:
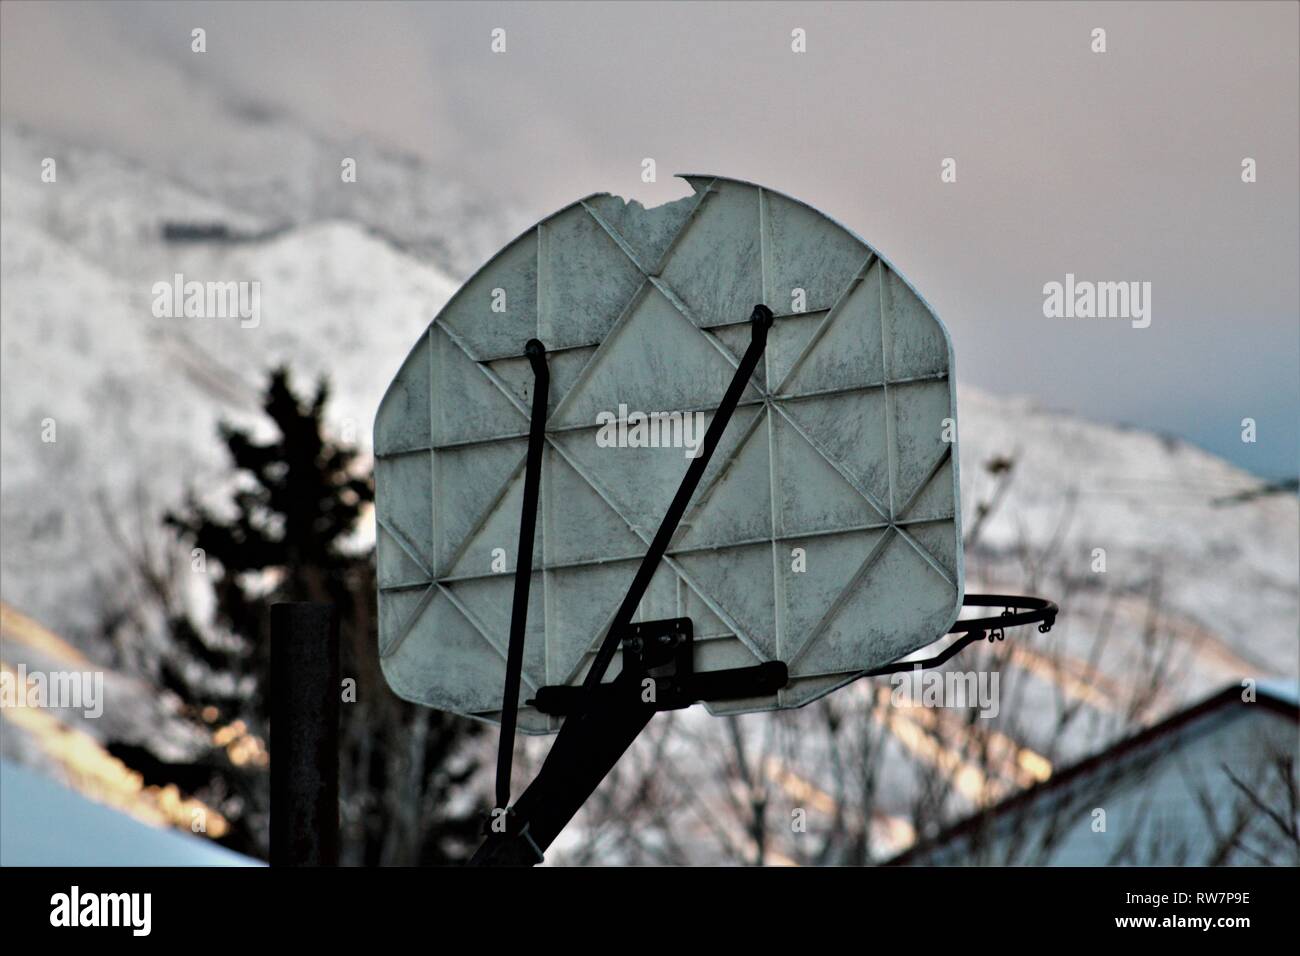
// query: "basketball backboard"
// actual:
[[825, 532]]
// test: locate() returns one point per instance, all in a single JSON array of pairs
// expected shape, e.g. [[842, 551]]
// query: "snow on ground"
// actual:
[[45, 824]]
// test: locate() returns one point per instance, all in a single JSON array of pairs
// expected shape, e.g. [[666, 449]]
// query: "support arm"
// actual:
[[536, 353]]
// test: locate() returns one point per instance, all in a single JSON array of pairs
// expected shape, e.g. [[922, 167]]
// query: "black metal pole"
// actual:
[[536, 353], [305, 699]]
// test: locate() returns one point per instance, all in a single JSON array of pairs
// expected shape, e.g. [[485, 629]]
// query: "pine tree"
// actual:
[[298, 500]]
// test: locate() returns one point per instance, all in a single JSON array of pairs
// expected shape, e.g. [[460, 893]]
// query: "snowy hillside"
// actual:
[[103, 200], [1226, 572], [135, 399]]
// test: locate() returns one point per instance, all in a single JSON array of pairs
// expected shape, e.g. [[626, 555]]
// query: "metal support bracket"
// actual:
[[660, 656]]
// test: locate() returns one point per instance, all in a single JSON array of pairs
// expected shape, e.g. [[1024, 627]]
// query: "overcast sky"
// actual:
[[1117, 166]]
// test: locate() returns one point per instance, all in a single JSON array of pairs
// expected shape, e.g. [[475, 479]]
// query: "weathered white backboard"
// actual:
[[826, 530]]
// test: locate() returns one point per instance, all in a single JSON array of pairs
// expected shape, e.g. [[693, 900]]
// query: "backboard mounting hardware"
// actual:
[[604, 719], [662, 653], [1037, 611]]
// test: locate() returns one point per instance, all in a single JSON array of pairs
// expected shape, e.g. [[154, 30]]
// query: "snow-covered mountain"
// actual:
[[104, 203], [135, 398], [132, 400], [1158, 512]]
